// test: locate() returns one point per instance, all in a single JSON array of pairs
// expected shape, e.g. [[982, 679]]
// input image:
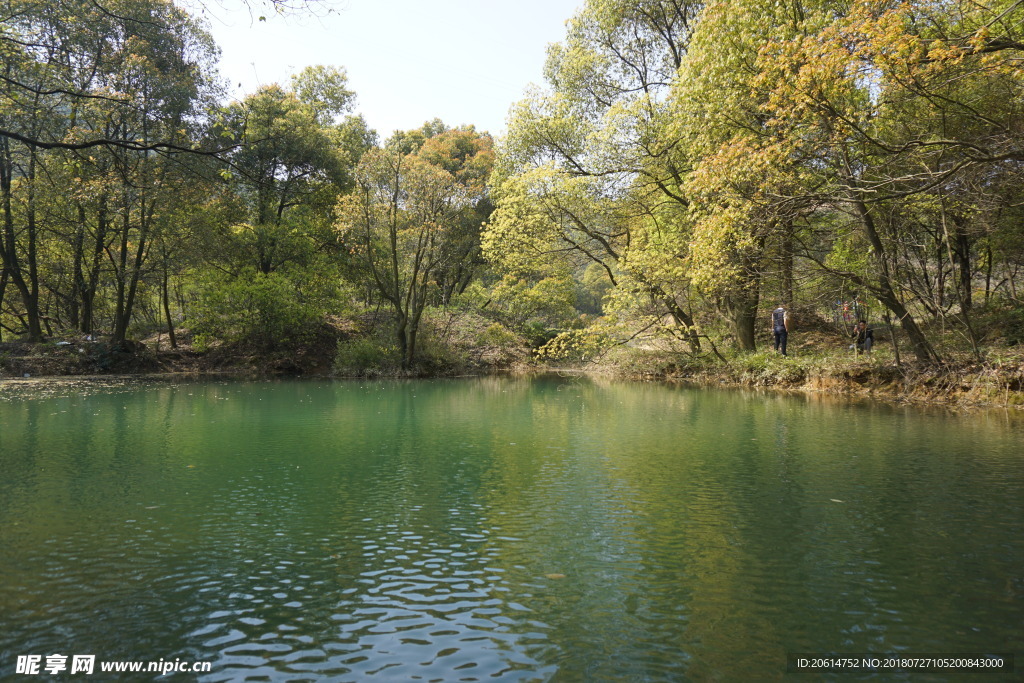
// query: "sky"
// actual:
[[408, 61]]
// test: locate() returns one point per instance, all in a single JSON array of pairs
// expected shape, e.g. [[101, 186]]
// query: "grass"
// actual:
[[820, 360]]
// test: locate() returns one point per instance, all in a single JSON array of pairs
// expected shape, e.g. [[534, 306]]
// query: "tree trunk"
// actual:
[[133, 283], [679, 315], [741, 303], [99, 246], [130, 266], [787, 264], [918, 341], [23, 275], [35, 329], [13, 266], [963, 283], [166, 296], [403, 342], [3, 290], [407, 363], [121, 276], [742, 314], [885, 291], [77, 271], [683, 319], [962, 251], [988, 273], [895, 341]]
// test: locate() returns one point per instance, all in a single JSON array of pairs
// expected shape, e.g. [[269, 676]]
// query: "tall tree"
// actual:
[[468, 156], [64, 90], [76, 73], [407, 220], [587, 160], [893, 109], [295, 149], [739, 168]]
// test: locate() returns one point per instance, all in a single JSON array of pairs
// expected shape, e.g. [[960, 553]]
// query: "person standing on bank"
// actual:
[[780, 328]]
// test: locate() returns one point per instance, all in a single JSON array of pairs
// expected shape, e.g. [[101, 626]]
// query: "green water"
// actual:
[[502, 529]]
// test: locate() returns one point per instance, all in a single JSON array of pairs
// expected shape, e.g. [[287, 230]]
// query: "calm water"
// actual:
[[502, 529]]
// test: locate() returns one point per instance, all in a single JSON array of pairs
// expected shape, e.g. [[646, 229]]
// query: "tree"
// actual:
[[469, 157], [586, 171], [79, 72], [408, 219], [272, 246], [738, 166], [63, 90], [895, 108], [291, 157]]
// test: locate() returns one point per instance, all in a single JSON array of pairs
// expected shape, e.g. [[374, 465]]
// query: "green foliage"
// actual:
[[768, 368], [441, 354], [496, 334], [585, 344], [411, 226], [263, 310], [325, 89], [460, 339], [366, 356], [849, 252], [538, 334], [549, 301], [686, 162], [592, 289], [767, 146], [1006, 320]]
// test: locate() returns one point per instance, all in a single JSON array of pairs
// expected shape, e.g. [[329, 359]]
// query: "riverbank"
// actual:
[[998, 382], [331, 351]]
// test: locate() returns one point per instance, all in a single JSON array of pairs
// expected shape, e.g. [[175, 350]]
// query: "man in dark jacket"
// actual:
[[780, 328], [864, 337]]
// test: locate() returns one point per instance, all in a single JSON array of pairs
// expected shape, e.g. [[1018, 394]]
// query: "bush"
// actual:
[[766, 368], [463, 341], [538, 334], [265, 310], [576, 345], [365, 356], [497, 334], [1010, 321]]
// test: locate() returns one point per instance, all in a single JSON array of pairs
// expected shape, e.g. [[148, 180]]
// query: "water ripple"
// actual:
[[549, 530]]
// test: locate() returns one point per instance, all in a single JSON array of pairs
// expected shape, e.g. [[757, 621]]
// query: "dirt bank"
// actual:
[[960, 385], [998, 383]]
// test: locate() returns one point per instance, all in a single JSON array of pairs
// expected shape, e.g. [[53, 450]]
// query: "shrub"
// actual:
[[576, 345], [1011, 320], [265, 310], [365, 356], [497, 334], [766, 368]]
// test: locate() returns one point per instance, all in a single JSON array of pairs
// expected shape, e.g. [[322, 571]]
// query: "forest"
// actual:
[[686, 167]]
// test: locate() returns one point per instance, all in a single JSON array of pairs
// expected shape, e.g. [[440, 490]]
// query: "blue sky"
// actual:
[[464, 61]]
